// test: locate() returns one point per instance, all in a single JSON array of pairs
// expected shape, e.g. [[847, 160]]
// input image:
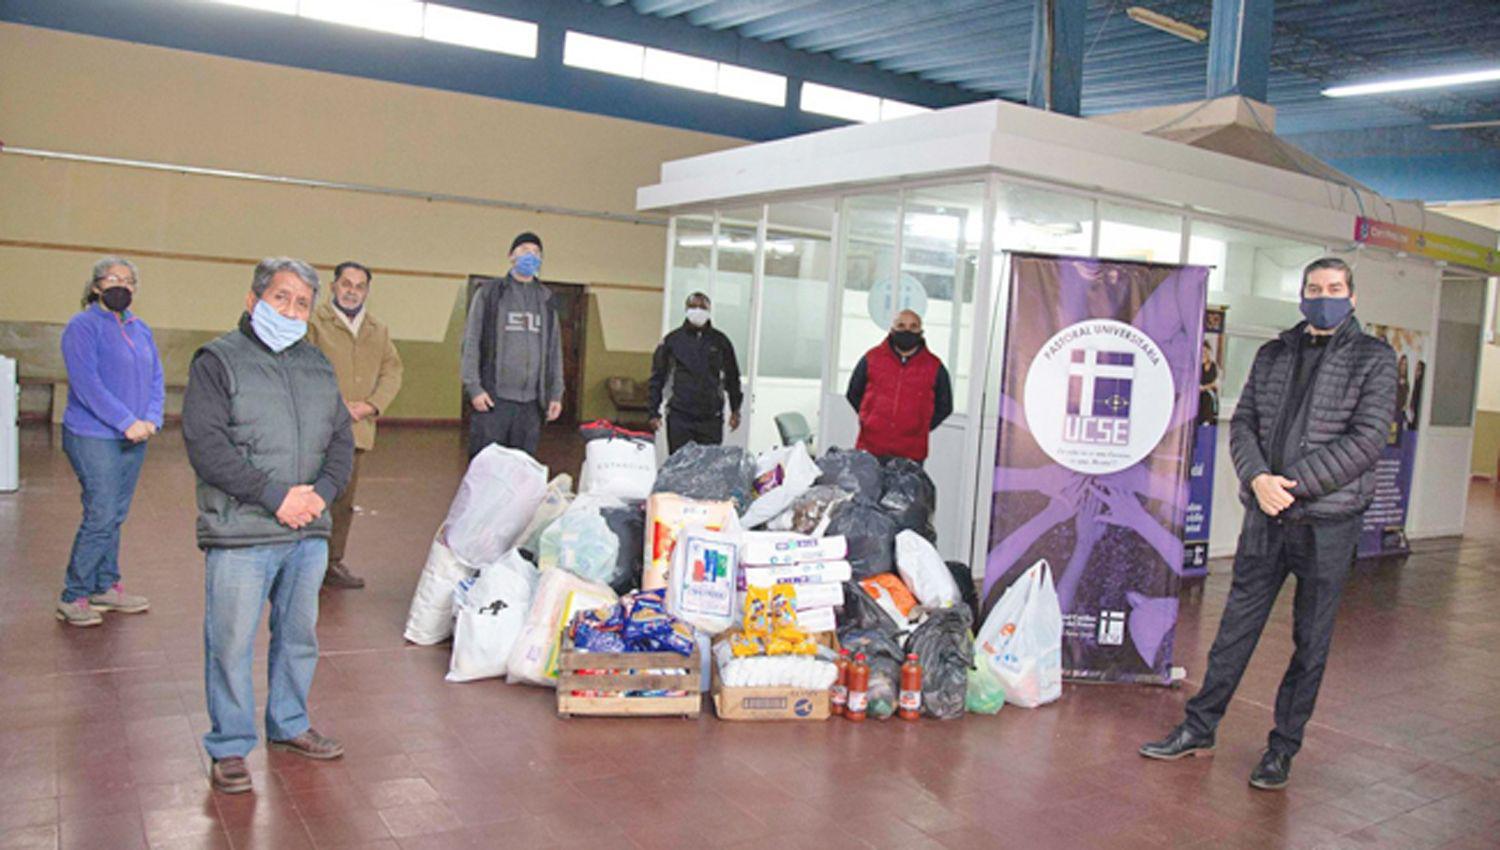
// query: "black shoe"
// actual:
[[1179, 743], [1273, 772], [338, 575]]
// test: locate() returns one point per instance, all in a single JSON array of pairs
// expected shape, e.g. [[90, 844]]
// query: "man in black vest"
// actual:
[[512, 367], [1307, 432], [698, 361], [268, 435]]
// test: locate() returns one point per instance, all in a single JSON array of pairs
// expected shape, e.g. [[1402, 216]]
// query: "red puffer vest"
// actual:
[[895, 414]]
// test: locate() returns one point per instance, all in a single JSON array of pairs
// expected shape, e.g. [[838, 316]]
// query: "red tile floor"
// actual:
[[99, 728]]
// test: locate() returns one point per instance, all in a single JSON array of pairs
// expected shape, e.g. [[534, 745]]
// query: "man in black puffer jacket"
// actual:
[[1307, 432]]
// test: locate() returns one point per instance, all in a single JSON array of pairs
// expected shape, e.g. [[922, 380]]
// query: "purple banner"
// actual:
[[1099, 395], [1195, 531], [1384, 531]]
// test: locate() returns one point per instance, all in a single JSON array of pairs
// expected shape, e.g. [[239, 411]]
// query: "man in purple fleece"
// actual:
[[115, 395]]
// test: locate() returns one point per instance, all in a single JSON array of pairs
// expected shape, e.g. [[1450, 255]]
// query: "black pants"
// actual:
[[683, 429], [513, 424], [1320, 556]]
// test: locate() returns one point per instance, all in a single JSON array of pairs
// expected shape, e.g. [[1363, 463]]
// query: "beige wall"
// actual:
[[66, 92]]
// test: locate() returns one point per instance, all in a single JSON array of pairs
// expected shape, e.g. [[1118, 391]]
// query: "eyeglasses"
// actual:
[[115, 280]]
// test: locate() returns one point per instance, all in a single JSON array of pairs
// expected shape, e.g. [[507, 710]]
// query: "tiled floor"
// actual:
[[99, 728]]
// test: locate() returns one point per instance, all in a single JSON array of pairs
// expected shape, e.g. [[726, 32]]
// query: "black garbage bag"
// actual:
[[944, 645], [860, 612], [964, 578], [627, 523], [908, 495], [718, 473], [853, 470], [871, 535], [883, 654], [809, 509]]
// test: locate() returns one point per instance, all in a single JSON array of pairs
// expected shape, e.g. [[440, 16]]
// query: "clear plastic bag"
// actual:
[[853, 470], [558, 497], [581, 542], [944, 644], [709, 473], [496, 501], [871, 535], [908, 495], [809, 511], [1021, 640], [984, 694]]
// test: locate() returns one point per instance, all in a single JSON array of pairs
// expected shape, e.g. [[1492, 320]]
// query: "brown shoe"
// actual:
[[339, 576], [311, 745], [230, 775]]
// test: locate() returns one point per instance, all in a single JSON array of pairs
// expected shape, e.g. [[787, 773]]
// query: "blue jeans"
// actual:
[[107, 470], [238, 583]]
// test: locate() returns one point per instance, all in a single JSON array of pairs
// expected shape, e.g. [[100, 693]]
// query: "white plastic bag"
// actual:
[[555, 501], [923, 571], [491, 609], [781, 475], [619, 467], [530, 657], [1021, 640], [430, 619], [705, 572], [496, 501]]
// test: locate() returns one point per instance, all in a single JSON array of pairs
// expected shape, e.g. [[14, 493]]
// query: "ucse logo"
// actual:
[[523, 322], [1111, 628], [1098, 396]]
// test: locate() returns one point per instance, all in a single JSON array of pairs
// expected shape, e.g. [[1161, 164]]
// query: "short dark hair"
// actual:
[[1329, 263], [338, 270], [702, 295]]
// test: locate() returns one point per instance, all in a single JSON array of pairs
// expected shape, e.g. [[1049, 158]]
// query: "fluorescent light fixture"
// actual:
[[1466, 125], [1171, 26], [1413, 83], [285, 7], [752, 85], [681, 70], [480, 31], [840, 103], [593, 53], [397, 17], [899, 109]]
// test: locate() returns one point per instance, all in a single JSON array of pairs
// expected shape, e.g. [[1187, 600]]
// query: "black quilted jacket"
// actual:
[[1352, 399]]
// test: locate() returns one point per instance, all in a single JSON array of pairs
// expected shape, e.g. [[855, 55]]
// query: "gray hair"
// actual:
[[101, 268], [272, 266]]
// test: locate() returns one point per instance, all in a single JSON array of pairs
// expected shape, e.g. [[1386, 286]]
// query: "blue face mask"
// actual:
[[1325, 314], [527, 265], [275, 330]]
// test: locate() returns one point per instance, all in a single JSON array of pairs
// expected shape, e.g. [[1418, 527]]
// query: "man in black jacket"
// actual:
[[698, 361], [1305, 437]]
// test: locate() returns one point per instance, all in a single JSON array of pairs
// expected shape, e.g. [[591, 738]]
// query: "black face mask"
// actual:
[[906, 340], [116, 298]]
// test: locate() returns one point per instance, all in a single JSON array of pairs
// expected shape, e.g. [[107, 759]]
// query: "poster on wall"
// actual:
[[1205, 446], [1384, 531], [1099, 395]]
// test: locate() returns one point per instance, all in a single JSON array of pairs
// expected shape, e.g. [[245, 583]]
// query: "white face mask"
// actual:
[[697, 316]]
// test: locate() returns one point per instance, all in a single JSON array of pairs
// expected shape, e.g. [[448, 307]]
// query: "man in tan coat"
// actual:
[[369, 373]]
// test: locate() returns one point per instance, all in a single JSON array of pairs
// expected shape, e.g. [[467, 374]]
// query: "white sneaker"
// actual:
[[78, 613], [116, 599]]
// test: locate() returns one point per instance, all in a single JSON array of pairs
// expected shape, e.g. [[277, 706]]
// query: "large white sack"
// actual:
[[924, 572], [496, 501], [1021, 640], [430, 619], [619, 467], [781, 475], [491, 608]]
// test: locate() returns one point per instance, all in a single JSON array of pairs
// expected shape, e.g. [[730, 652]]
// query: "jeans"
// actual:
[[1321, 556], [238, 583], [107, 470], [512, 424]]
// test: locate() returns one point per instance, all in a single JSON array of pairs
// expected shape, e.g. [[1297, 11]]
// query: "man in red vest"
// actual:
[[901, 391]]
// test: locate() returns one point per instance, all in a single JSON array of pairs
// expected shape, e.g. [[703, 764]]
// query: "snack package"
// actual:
[[705, 574], [786, 637], [667, 514]]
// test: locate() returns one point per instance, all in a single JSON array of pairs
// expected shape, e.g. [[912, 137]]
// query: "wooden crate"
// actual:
[[618, 679]]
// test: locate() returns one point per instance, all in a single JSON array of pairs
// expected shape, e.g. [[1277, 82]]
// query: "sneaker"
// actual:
[[78, 613], [116, 599], [1273, 773], [1179, 743], [338, 575], [311, 745], [230, 775]]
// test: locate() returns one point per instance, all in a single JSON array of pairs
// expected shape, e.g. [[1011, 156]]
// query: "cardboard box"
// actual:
[[769, 703]]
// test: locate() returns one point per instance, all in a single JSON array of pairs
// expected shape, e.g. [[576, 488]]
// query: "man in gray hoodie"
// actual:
[[512, 355]]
